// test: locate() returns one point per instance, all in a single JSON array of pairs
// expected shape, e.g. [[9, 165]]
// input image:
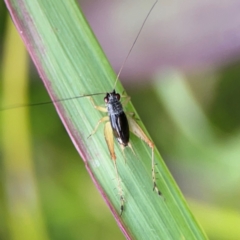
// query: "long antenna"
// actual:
[[47, 102], [140, 30], [67, 99]]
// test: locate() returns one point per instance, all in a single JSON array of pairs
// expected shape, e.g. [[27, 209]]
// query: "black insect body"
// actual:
[[118, 118], [119, 125]]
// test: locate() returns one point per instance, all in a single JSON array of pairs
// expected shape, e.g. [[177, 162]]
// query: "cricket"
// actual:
[[117, 123]]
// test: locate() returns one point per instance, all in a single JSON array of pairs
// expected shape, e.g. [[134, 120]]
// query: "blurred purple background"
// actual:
[[188, 35]]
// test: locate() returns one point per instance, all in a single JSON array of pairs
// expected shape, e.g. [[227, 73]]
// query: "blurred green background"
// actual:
[[192, 114]]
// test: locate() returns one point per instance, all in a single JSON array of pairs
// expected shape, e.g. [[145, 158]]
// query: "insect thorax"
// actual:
[[114, 107]]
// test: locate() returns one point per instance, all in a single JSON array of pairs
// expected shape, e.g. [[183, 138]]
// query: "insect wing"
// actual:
[[120, 128]]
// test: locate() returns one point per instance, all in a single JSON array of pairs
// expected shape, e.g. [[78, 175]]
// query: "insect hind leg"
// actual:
[[155, 188], [120, 190], [110, 143], [137, 130]]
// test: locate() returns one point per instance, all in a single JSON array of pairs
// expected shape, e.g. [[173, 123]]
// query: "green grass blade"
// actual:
[[71, 63]]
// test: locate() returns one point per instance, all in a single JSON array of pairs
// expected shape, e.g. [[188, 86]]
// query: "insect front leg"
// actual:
[[104, 119], [99, 108], [137, 130], [126, 99]]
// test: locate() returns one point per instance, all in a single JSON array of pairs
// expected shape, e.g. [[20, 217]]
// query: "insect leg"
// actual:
[[122, 148], [137, 130], [120, 191], [110, 143], [108, 133], [109, 140], [126, 99], [99, 108], [125, 102], [103, 119]]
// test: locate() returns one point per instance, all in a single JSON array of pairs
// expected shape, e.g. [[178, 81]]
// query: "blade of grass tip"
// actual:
[[71, 63], [21, 191]]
